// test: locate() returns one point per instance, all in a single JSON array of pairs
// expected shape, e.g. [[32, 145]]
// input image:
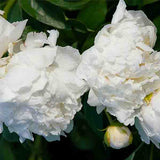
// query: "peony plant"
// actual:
[[82, 70]]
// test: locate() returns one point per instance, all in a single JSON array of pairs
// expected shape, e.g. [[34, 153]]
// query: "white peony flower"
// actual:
[[148, 124], [39, 89], [9, 33], [118, 137], [121, 68]]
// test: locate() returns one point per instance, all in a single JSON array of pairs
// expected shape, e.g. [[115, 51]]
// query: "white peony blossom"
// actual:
[[121, 68], [118, 137], [148, 125], [9, 33], [39, 89]]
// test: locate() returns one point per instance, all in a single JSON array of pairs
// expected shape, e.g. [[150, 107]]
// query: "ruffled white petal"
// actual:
[[120, 12], [122, 68], [35, 40], [52, 39], [9, 33], [67, 58], [148, 123], [39, 89]]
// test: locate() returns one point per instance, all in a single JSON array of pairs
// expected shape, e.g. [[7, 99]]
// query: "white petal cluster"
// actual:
[[41, 83], [9, 33], [121, 68], [39, 89], [148, 125]]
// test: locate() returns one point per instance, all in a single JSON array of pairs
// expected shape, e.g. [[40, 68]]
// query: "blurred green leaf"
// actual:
[[131, 157], [140, 2], [15, 14], [156, 21], [94, 14], [6, 151], [149, 1], [134, 2], [2, 4], [66, 37], [77, 25], [70, 4], [94, 120], [45, 13], [27, 29], [72, 0], [88, 42], [154, 152], [75, 45], [82, 136], [10, 137]]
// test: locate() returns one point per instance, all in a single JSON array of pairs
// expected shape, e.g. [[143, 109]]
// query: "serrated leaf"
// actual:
[[70, 4], [45, 13]]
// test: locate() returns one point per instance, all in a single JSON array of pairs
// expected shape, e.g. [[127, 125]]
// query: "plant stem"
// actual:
[[36, 148], [8, 7], [151, 153], [109, 117], [139, 147]]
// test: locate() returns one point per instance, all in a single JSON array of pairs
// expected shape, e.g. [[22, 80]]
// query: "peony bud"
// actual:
[[118, 137]]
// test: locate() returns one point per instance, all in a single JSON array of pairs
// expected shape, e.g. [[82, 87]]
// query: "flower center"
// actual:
[[148, 98]]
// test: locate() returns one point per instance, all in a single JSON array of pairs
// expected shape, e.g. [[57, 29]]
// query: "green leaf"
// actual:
[[149, 1], [15, 14], [94, 120], [2, 4], [94, 14], [6, 151], [82, 136], [10, 137], [27, 29], [131, 157], [77, 25], [45, 13], [140, 2], [71, 0], [88, 42], [70, 4], [156, 21], [66, 37]]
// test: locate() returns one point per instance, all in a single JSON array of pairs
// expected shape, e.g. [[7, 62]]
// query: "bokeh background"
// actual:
[[78, 22]]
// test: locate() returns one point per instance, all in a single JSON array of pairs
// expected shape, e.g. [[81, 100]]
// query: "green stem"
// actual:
[[151, 153], [36, 148], [139, 147], [109, 117], [8, 7]]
